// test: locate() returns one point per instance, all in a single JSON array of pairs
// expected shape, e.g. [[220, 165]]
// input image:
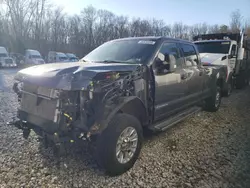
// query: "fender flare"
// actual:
[[131, 105]]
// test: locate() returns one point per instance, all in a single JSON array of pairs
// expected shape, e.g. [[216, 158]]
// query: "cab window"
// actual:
[[233, 50], [190, 55], [171, 48]]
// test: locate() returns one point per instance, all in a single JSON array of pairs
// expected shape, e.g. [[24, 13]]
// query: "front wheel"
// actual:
[[118, 147], [212, 104]]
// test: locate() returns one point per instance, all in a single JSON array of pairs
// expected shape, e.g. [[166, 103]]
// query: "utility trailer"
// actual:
[[230, 50]]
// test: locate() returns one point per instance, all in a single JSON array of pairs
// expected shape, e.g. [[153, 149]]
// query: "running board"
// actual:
[[165, 124]]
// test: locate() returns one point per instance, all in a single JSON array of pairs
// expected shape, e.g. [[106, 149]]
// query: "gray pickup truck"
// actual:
[[115, 92]]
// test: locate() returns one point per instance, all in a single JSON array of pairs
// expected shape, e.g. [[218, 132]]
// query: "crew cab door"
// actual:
[[169, 87], [232, 57], [194, 74]]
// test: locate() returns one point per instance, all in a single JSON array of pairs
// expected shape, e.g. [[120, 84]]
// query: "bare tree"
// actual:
[[58, 29], [236, 21], [223, 28], [88, 17], [180, 30], [214, 29], [247, 27], [198, 29], [39, 25]]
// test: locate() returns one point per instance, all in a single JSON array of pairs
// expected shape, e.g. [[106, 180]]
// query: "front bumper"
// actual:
[[9, 66]]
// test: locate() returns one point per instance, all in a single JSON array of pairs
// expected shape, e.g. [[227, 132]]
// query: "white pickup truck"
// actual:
[[226, 49]]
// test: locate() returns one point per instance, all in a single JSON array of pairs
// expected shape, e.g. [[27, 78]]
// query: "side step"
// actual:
[[165, 124]]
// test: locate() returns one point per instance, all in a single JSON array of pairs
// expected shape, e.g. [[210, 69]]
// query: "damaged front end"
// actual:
[[77, 104]]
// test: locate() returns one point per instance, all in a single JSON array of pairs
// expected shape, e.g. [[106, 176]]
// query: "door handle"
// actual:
[[200, 73]]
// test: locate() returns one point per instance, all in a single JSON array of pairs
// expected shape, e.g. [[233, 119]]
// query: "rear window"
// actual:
[[190, 55]]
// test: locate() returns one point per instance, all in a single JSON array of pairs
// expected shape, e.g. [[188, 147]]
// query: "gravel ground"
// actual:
[[206, 150]]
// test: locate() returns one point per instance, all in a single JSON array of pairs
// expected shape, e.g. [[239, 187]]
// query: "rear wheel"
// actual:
[[212, 104], [240, 81], [118, 147], [247, 81], [229, 89]]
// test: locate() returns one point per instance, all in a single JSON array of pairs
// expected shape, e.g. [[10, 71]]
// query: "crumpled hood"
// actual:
[[68, 76], [211, 58]]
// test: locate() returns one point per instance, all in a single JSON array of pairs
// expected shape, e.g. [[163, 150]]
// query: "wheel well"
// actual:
[[135, 108]]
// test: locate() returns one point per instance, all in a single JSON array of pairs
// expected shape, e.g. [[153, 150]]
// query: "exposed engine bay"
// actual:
[[66, 115]]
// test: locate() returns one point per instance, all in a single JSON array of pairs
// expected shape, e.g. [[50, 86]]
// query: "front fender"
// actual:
[[131, 105]]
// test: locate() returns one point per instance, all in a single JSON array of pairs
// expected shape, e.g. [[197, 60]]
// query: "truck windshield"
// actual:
[[3, 55], [35, 56], [213, 47], [63, 58], [124, 51]]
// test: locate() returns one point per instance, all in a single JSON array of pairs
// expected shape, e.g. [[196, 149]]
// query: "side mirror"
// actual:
[[165, 63], [172, 63]]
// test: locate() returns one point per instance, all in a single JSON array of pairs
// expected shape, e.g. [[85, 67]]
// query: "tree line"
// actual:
[[37, 24]]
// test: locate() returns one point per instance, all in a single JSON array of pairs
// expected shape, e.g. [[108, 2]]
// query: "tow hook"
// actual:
[[21, 125]]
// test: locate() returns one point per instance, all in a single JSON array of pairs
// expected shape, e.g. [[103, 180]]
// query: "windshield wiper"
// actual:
[[114, 61], [111, 61]]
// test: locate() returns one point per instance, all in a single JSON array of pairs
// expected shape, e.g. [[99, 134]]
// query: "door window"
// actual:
[[171, 48], [190, 55], [233, 50]]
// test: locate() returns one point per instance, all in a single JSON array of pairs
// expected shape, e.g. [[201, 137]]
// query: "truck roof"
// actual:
[[154, 38], [201, 41], [33, 52], [219, 36]]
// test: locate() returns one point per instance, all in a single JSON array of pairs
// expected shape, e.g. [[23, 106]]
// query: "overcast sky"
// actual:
[[187, 11]]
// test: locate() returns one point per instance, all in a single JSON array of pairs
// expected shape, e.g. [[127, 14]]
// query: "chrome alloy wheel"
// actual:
[[126, 145]]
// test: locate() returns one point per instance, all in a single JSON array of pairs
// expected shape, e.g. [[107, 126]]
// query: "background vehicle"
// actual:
[[5, 59], [226, 49], [54, 57], [17, 58], [32, 57], [72, 57], [114, 96]]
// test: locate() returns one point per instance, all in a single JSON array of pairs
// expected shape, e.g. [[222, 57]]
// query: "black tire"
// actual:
[[229, 88], [247, 81], [212, 104], [240, 81], [106, 144]]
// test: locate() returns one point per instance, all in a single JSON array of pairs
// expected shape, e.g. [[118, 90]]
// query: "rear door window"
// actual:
[[190, 55]]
